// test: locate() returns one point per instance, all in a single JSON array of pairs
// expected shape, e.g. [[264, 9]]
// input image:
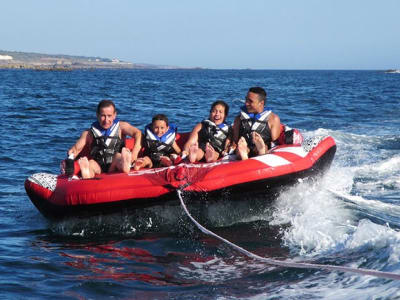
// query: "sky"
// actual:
[[220, 34]]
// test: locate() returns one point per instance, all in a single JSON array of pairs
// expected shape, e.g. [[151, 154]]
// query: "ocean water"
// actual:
[[350, 217]]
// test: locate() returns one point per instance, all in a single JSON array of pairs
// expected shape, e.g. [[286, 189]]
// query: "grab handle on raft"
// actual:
[[69, 166], [176, 178], [287, 264]]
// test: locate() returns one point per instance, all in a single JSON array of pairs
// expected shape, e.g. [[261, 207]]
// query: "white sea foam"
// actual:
[[380, 176], [388, 209], [324, 217], [319, 221], [383, 167], [378, 237]]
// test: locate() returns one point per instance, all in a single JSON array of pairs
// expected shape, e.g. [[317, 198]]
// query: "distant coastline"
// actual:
[[51, 62], [62, 62]]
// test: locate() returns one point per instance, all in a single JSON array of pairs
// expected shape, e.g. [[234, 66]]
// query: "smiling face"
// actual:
[[106, 116], [159, 127], [217, 114], [253, 103]]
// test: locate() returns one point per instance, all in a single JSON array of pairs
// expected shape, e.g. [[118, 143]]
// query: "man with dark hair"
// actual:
[[105, 142], [255, 128]]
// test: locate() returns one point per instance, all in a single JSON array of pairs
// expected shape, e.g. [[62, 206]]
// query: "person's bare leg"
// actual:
[[200, 154], [242, 149], [193, 149], [211, 155], [94, 167], [259, 142], [125, 162], [85, 168], [116, 163]]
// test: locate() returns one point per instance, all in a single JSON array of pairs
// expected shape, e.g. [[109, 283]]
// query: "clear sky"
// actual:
[[259, 34]]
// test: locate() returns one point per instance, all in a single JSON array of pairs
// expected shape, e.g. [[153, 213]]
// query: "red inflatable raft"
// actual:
[[58, 196]]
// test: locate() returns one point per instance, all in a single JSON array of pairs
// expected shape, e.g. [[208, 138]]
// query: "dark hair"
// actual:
[[224, 104], [105, 103], [160, 117], [262, 94]]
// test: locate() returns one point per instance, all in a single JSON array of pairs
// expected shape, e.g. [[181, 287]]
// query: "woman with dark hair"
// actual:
[[211, 138]]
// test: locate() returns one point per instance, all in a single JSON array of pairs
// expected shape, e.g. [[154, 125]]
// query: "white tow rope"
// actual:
[[288, 264]]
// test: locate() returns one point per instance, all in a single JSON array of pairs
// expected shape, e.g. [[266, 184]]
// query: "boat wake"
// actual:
[[287, 263]]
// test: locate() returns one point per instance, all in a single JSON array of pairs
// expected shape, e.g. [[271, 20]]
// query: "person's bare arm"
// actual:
[[80, 144], [235, 130], [176, 148], [275, 126], [193, 138], [227, 147]]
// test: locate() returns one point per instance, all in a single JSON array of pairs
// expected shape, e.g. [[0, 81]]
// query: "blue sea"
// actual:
[[349, 217]]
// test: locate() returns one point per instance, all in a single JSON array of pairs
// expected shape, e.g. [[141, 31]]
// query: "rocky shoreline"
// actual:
[[60, 67], [45, 62]]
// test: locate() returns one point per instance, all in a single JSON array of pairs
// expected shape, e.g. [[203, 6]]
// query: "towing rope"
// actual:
[[288, 264]]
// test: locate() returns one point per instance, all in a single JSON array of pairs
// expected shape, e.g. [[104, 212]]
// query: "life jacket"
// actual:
[[214, 134], [250, 122], [157, 146], [106, 142]]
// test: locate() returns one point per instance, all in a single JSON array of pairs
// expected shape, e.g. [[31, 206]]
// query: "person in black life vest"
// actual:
[[255, 128], [159, 143], [105, 140], [211, 138]]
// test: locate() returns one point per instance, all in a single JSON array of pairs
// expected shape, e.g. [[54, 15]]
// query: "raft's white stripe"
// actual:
[[295, 150], [272, 160]]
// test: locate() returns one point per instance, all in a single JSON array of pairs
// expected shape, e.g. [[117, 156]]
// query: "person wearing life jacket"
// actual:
[[255, 128], [104, 140], [159, 143], [210, 139]]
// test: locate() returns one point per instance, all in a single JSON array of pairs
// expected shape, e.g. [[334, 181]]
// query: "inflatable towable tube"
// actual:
[[58, 196]]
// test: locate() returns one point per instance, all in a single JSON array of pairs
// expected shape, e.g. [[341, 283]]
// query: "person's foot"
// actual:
[[210, 153], [138, 164], [259, 142], [165, 161], [242, 149], [126, 160], [84, 165], [193, 152]]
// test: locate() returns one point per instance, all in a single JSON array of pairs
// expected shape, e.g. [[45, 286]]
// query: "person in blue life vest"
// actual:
[[105, 141], [211, 138], [159, 144], [255, 128]]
